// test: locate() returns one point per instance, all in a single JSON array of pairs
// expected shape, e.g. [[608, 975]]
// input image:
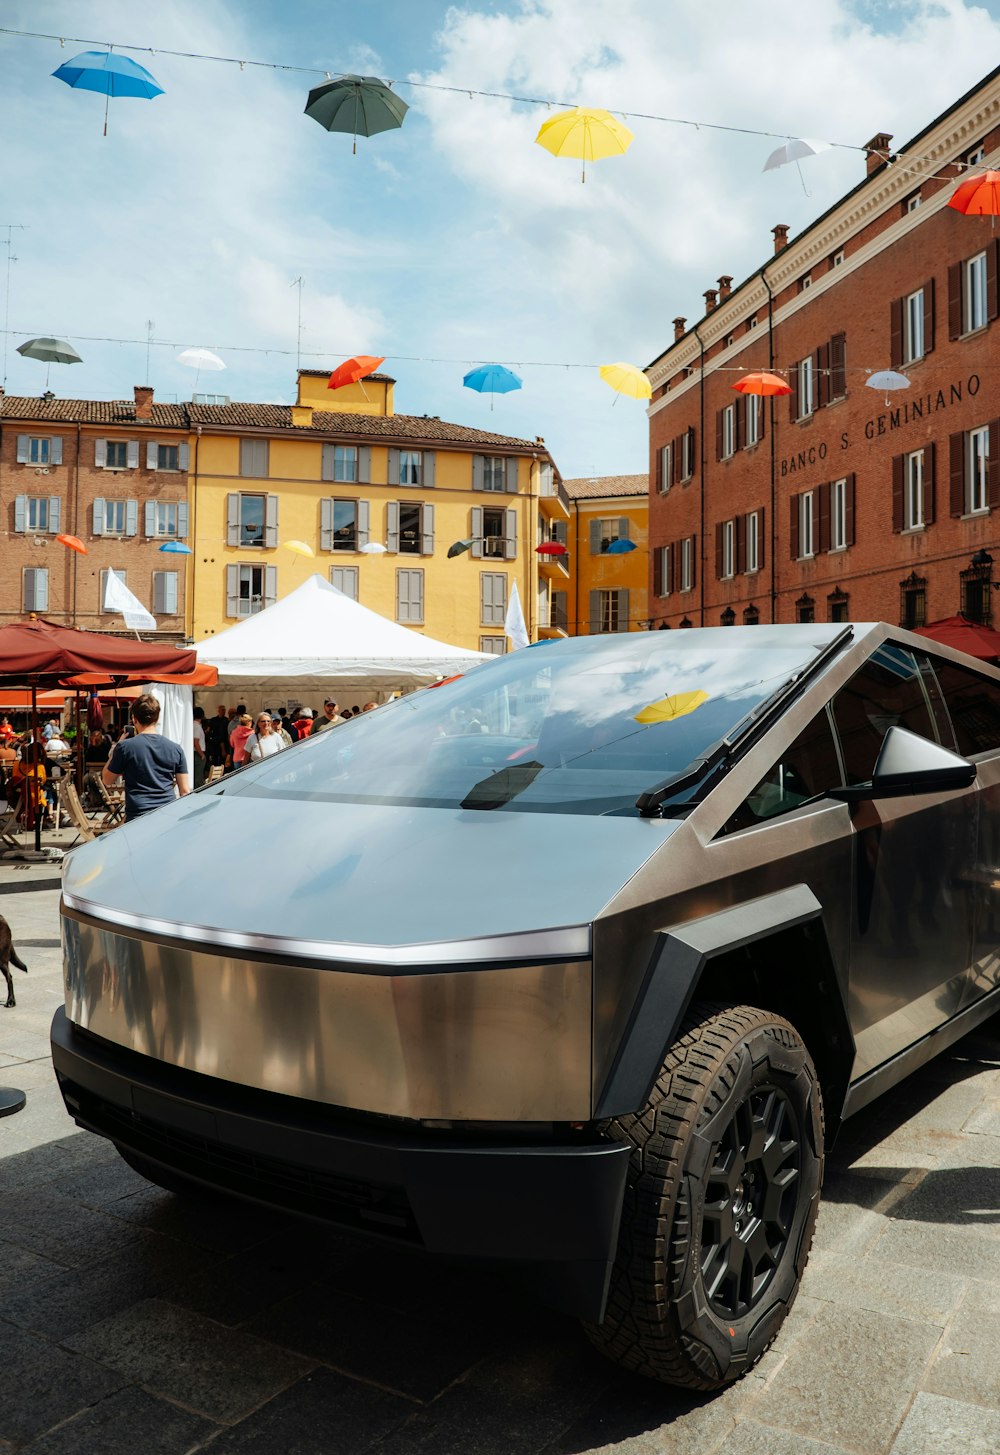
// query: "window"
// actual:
[[977, 465], [498, 473], [36, 513], [837, 606], [114, 517], [345, 578], [976, 156], [409, 467], [805, 609], [250, 589], [727, 617], [838, 258], [728, 432], [807, 544], [39, 451], [974, 293], [806, 380], [887, 691], [608, 611], [913, 601], [35, 588], [752, 324], [730, 340], [662, 571], [345, 463], [753, 407], [165, 593], [726, 547], [808, 767], [409, 529], [254, 458], [805, 283], [974, 705], [687, 455], [753, 546], [168, 457], [558, 616], [494, 477], [666, 464], [913, 327], [494, 538], [252, 511], [546, 480], [751, 616], [122, 576], [912, 202], [493, 646], [838, 515], [687, 564], [343, 525], [163, 519], [604, 534], [976, 584], [116, 455], [913, 502], [492, 598], [210, 399]]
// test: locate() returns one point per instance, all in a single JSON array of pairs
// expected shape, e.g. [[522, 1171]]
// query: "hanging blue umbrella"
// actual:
[[491, 379], [109, 75], [176, 548], [620, 548]]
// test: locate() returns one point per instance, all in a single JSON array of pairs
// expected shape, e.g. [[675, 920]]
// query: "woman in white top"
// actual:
[[263, 742]]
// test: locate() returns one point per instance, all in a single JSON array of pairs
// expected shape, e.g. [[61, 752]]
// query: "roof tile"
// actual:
[[595, 487]]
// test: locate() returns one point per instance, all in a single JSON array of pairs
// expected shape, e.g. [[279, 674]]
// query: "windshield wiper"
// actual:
[[743, 734]]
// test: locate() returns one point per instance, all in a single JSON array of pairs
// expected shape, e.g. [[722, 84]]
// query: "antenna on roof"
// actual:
[[150, 325], [10, 226], [299, 283]]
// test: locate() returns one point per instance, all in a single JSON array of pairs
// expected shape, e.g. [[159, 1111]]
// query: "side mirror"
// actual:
[[907, 765]]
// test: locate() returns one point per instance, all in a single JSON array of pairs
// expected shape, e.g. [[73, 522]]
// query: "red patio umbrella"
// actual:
[[964, 635]]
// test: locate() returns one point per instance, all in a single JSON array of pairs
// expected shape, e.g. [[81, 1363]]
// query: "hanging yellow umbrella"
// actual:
[[299, 547], [667, 708], [626, 379], [586, 133]]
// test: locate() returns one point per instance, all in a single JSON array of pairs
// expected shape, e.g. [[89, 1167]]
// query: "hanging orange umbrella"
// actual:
[[764, 384], [352, 370], [978, 196], [74, 543]]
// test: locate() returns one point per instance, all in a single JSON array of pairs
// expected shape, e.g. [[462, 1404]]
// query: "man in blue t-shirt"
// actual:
[[150, 764]]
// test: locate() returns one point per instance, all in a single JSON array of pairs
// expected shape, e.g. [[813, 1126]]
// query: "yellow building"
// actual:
[[379, 498], [607, 584]]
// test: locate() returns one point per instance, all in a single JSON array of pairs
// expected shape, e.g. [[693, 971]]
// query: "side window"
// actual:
[[888, 691], [974, 705], [807, 768]]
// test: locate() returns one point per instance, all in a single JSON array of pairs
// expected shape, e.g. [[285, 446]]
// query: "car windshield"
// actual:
[[578, 726]]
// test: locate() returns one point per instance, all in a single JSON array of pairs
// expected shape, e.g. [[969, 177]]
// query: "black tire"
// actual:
[[703, 1276]]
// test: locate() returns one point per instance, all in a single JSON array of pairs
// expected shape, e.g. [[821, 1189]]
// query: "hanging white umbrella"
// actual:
[[887, 380], [794, 150], [199, 359]]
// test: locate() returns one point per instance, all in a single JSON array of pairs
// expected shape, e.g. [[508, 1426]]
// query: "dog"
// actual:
[[8, 957]]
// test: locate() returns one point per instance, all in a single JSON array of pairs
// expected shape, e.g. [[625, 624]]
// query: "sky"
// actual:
[[454, 240]]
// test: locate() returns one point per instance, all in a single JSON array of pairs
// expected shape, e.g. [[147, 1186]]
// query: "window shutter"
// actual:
[[326, 467], [595, 537], [392, 525], [326, 524], [131, 517], [992, 299], [760, 539], [271, 523], [170, 593], [739, 432], [55, 450], [23, 449], [270, 585], [993, 467], [427, 530], [132, 455], [55, 512], [849, 510], [896, 333], [719, 528], [99, 519], [595, 613], [428, 469], [417, 595], [623, 528], [476, 549], [719, 416], [838, 366], [823, 395], [671, 562], [511, 470], [898, 489], [956, 474], [929, 316], [149, 516], [152, 456], [955, 300], [478, 470], [100, 453], [658, 572], [393, 467], [794, 502], [364, 529], [694, 561], [741, 545], [232, 590], [930, 483], [623, 610], [793, 398], [182, 520], [365, 464], [402, 595], [232, 520], [658, 482], [510, 535], [821, 505], [184, 455], [159, 608], [20, 512], [41, 589], [560, 532]]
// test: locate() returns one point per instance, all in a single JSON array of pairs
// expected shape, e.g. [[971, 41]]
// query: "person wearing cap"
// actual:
[[331, 717], [278, 724], [302, 723]]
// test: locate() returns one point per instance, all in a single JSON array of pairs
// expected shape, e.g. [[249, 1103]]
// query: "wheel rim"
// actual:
[[751, 1196]]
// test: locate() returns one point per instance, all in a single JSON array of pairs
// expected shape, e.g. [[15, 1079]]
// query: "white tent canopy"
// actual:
[[316, 637]]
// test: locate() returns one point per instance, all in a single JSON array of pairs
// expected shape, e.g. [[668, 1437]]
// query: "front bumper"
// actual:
[[551, 1207]]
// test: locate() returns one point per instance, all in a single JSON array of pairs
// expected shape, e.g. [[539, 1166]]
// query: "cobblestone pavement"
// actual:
[[132, 1321]]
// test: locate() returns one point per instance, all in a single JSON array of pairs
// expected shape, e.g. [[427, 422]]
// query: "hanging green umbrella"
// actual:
[[50, 351], [361, 105]]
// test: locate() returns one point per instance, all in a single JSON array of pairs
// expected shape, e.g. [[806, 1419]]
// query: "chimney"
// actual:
[[725, 286], [710, 300], [877, 151], [143, 401], [780, 236], [680, 328]]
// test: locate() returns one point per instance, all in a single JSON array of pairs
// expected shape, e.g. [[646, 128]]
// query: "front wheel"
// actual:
[[720, 1202]]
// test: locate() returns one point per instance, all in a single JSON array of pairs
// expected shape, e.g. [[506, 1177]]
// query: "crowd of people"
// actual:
[[234, 737]]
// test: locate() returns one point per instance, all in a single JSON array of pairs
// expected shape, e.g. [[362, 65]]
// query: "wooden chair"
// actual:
[[75, 811], [216, 772], [114, 804]]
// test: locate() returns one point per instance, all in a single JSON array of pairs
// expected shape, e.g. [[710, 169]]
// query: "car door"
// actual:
[[912, 942]]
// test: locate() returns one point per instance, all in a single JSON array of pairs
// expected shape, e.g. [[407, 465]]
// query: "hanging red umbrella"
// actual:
[[767, 386], [551, 548], [353, 370], [978, 196], [74, 543], [95, 713]]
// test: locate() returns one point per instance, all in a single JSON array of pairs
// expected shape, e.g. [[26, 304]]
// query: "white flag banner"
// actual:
[[513, 623], [117, 597]]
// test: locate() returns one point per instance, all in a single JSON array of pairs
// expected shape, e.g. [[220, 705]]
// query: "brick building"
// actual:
[[114, 474], [839, 501]]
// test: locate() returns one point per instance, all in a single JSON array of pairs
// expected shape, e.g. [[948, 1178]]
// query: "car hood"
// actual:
[[361, 875]]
